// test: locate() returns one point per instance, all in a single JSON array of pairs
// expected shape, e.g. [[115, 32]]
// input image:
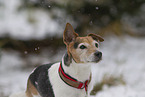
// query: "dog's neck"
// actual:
[[79, 71]]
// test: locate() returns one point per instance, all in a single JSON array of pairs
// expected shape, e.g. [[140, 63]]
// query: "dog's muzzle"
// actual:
[[97, 56]]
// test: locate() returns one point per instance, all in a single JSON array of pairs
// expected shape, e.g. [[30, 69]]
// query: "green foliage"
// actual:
[[90, 15], [30, 45], [97, 16]]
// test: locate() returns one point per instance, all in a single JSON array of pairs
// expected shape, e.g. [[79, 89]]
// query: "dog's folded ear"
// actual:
[[96, 37], [69, 34]]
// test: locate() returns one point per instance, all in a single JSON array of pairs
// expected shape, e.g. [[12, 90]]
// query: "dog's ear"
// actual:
[[96, 37], [69, 34]]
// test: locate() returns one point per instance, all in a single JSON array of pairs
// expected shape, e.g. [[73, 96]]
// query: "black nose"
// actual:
[[98, 54]]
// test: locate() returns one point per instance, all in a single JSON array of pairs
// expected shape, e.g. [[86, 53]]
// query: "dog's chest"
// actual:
[[60, 88]]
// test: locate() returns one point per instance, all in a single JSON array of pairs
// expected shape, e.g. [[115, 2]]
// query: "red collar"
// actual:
[[72, 81]]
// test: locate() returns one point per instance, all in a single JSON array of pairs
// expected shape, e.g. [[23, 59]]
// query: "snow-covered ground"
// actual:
[[123, 57]]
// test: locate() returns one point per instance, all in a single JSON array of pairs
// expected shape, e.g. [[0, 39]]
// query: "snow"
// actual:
[[10, 73], [26, 23], [119, 91], [122, 56]]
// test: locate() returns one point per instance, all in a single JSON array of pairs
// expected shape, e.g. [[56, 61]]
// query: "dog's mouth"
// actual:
[[95, 60], [98, 60]]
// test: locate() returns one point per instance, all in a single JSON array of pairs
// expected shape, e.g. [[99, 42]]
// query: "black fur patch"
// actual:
[[76, 45], [67, 59], [40, 80]]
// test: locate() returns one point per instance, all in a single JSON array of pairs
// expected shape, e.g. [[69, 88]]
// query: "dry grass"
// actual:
[[109, 81]]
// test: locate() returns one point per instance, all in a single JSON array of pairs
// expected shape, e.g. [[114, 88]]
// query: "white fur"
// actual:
[[84, 54], [79, 71]]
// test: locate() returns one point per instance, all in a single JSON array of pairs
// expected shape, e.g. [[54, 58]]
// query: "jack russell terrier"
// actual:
[[71, 77]]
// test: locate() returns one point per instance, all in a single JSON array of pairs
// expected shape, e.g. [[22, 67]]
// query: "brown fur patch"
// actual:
[[31, 90]]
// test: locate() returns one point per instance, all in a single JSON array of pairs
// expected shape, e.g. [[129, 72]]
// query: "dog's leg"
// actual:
[[31, 90]]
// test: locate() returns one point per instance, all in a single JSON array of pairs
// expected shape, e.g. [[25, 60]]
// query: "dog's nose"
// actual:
[[98, 54]]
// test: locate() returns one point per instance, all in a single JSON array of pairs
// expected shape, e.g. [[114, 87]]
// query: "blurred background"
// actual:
[[31, 34]]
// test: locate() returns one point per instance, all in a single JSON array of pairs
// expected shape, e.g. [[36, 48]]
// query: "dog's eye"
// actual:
[[96, 45], [83, 47]]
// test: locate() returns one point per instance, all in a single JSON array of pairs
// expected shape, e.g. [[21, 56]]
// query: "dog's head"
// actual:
[[82, 49]]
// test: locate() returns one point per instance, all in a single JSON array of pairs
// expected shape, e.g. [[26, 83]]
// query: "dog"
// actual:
[[72, 76]]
